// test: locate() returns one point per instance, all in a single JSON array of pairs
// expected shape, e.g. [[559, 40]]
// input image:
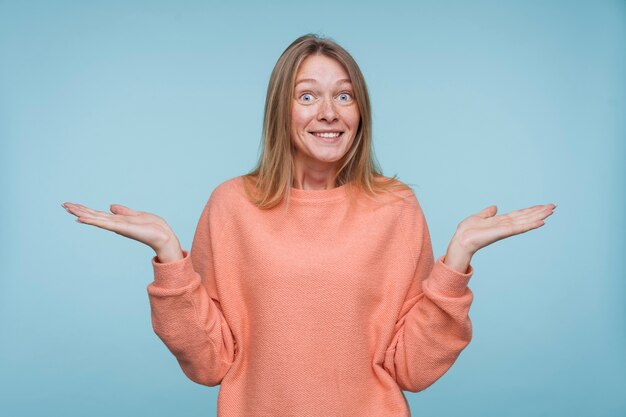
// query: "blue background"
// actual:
[[152, 104]]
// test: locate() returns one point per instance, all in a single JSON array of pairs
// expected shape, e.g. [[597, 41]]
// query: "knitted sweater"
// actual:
[[316, 308]]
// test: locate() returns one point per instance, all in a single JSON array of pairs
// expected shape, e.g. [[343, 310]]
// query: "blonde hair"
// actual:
[[272, 178]]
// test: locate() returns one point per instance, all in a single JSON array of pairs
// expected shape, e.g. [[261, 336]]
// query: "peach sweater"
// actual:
[[325, 309]]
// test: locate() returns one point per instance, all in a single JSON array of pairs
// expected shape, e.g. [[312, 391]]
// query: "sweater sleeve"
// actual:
[[185, 310], [433, 326]]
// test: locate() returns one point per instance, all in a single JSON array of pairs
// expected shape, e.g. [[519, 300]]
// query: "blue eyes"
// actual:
[[309, 98]]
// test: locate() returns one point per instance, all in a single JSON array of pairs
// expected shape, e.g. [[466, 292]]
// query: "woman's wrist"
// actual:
[[457, 257], [170, 253]]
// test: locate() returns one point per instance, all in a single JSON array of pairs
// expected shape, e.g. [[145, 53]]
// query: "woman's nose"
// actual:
[[327, 111]]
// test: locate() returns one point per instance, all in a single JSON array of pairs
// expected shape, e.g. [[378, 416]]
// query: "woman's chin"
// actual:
[[327, 159]]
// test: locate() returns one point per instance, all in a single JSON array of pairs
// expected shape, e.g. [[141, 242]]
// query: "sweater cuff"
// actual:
[[448, 281], [175, 274]]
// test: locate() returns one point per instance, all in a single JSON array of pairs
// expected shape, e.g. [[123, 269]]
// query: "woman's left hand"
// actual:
[[485, 228]]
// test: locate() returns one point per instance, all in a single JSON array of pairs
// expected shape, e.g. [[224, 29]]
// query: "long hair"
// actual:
[[272, 178]]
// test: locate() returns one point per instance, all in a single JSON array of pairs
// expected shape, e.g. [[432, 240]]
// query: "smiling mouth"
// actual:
[[327, 135]]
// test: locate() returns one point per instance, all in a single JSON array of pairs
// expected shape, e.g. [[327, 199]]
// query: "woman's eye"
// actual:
[[345, 97], [306, 97]]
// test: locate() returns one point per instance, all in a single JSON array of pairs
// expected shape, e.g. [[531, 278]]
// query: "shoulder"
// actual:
[[228, 187], [410, 216], [226, 195], [397, 193]]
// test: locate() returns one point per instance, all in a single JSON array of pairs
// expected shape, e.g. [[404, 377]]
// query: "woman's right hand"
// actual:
[[143, 227]]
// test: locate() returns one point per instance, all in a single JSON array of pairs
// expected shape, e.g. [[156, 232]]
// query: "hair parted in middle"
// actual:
[[270, 181]]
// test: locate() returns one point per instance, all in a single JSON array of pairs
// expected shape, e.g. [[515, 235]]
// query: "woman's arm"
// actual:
[[433, 327], [186, 314], [185, 310], [485, 228]]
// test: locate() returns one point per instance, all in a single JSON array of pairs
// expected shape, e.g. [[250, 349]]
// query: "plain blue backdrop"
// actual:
[[151, 104]]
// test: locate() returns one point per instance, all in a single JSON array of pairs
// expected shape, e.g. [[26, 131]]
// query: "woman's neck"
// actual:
[[316, 176]]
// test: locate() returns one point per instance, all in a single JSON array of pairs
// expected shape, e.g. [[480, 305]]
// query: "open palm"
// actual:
[[484, 228], [144, 227]]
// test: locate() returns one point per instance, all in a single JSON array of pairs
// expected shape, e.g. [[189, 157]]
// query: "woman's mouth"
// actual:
[[330, 137]]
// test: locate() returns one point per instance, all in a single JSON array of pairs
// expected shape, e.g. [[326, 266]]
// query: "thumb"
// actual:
[[488, 212], [120, 209]]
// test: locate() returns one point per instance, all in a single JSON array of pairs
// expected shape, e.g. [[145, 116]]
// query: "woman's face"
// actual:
[[324, 112]]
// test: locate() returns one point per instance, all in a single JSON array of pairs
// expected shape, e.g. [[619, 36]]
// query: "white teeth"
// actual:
[[327, 135]]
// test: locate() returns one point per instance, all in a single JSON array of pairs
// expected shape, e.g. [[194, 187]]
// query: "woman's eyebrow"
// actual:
[[312, 80]]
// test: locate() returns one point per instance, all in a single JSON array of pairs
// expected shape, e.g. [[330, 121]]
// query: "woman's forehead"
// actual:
[[314, 81], [316, 68]]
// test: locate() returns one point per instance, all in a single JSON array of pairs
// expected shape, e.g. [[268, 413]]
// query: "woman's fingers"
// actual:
[[89, 216], [523, 227], [538, 213], [488, 212], [116, 209], [535, 212], [100, 222], [138, 225], [517, 223], [482, 229], [74, 207], [122, 228], [120, 209], [527, 210], [111, 222]]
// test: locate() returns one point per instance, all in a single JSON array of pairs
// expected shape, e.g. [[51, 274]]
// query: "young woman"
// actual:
[[311, 288]]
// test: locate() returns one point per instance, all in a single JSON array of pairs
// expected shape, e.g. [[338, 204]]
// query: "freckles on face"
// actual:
[[324, 112]]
